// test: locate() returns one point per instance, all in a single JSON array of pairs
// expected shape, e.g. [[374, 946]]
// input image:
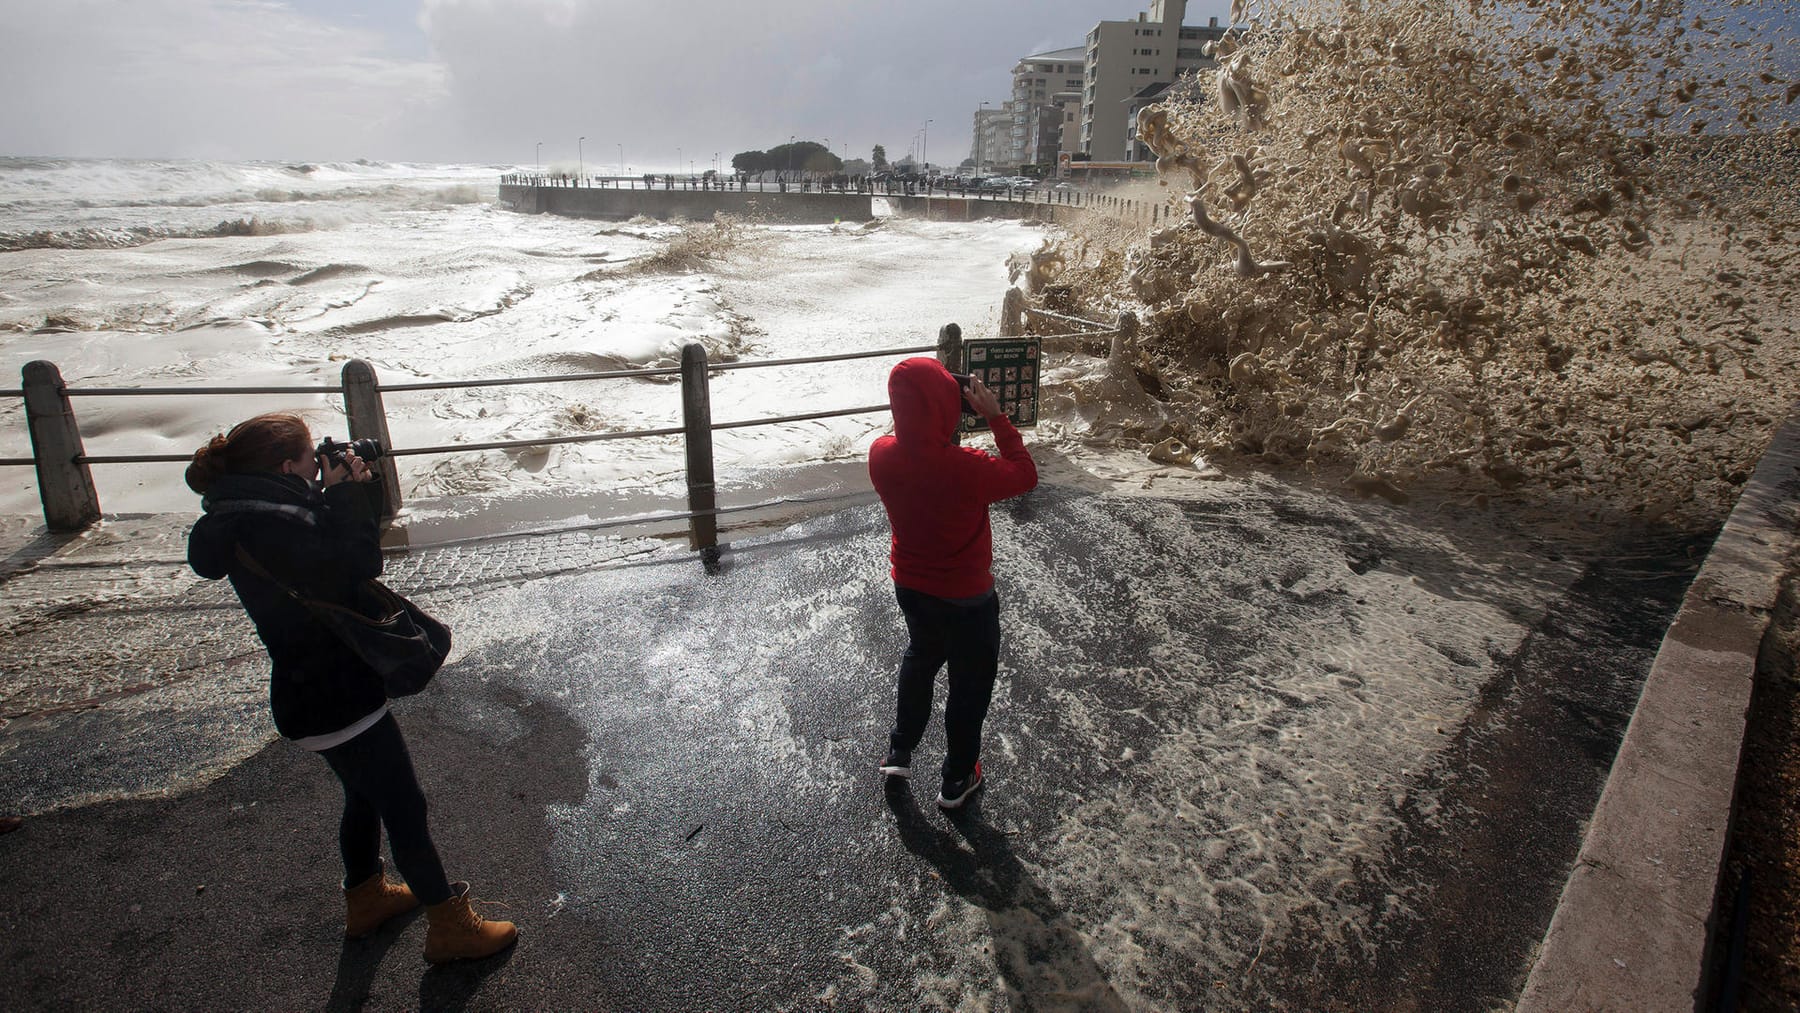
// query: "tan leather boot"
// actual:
[[458, 933], [369, 904]]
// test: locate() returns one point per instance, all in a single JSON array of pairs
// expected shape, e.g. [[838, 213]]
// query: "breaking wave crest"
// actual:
[[126, 237], [693, 248]]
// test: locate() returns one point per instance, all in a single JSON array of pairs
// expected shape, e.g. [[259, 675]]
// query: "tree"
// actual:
[[750, 162], [801, 156], [879, 158]]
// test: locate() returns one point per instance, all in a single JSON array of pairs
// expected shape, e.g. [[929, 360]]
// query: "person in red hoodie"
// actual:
[[936, 494]]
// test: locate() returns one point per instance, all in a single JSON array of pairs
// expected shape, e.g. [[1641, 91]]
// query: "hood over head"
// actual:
[[926, 400]]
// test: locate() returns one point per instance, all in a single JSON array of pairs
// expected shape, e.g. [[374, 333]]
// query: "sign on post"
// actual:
[[1009, 367]]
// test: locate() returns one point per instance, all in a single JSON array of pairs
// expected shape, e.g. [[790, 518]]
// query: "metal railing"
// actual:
[[71, 500], [1017, 317], [1121, 207]]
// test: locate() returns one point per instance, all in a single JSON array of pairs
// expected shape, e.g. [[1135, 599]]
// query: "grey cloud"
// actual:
[[260, 79]]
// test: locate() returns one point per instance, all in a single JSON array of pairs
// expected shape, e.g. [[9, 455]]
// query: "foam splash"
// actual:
[[1474, 249]]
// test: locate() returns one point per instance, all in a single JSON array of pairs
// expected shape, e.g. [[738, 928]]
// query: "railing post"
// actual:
[[1012, 313], [1124, 342], [65, 485], [949, 350], [696, 419], [368, 420]]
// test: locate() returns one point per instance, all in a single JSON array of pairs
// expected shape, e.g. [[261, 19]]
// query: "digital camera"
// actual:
[[333, 451]]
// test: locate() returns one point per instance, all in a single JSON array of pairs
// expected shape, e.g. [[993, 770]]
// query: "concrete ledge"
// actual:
[[1634, 925], [695, 205], [793, 207]]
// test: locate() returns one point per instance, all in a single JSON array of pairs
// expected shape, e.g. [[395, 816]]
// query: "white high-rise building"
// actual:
[[1034, 135], [993, 137], [1123, 59]]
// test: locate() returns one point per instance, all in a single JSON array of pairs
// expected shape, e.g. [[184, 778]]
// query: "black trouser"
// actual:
[[380, 788], [966, 636]]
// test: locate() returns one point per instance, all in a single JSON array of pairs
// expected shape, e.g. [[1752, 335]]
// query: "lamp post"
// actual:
[[621, 159], [578, 159], [678, 158], [539, 157], [980, 137], [924, 137]]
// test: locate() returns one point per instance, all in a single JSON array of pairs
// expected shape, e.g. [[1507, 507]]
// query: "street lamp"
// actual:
[[540, 154], [678, 158], [980, 137], [578, 141], [621, 159]]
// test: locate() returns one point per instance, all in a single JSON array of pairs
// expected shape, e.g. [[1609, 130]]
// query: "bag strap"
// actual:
[[259, 570]]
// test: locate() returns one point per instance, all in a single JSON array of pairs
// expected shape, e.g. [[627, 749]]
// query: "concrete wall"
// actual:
[[969, 209], [785, 208], [1637, 921], [694, 205]]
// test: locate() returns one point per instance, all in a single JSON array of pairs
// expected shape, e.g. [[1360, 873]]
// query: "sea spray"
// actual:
[[1476, 249]]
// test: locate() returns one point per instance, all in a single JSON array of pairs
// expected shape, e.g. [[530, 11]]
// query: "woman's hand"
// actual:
[[353, 469]]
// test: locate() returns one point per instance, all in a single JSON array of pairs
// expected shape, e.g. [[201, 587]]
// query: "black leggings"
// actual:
[[380, 788]]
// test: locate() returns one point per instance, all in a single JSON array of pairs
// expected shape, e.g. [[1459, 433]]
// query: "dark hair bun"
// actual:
[[208, 465]]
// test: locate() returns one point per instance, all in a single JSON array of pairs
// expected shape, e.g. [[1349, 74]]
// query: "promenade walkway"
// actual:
[[1253, 747]]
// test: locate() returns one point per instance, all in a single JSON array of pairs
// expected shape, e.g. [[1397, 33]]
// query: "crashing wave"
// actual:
[[1416, 250], [124, 238]]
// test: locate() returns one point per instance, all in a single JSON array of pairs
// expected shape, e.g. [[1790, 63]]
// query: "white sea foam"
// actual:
[[395, 265]]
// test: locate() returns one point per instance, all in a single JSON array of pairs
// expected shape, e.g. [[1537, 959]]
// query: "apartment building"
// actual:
[[1123, 60], [1086, 99], [992, 143], [1035, 134], [1068, 114]]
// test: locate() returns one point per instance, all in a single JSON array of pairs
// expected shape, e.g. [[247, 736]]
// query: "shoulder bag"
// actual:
[[396, 638]]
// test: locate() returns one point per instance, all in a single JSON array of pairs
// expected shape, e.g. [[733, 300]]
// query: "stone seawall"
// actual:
[[971, 209], [694, 205], [792, 208]]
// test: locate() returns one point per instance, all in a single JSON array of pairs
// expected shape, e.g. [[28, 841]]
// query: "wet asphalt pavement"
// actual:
[[1252, 747]]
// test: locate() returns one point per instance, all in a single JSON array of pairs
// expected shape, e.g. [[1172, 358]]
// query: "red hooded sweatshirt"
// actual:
[[937, 493]]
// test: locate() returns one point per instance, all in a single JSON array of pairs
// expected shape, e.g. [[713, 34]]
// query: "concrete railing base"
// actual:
[[1634, 927]]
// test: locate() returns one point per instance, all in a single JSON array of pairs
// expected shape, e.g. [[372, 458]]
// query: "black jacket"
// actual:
[[321, 545]]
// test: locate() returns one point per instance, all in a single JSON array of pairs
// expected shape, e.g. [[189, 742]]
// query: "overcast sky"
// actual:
[[484, 80]]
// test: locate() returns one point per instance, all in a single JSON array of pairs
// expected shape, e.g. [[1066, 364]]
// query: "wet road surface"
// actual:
[[1251, 748]]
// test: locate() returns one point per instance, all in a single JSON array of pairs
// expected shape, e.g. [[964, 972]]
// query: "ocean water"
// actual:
[[208, 274]]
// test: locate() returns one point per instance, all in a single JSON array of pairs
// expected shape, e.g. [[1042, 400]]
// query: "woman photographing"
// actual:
[[279, 515]]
